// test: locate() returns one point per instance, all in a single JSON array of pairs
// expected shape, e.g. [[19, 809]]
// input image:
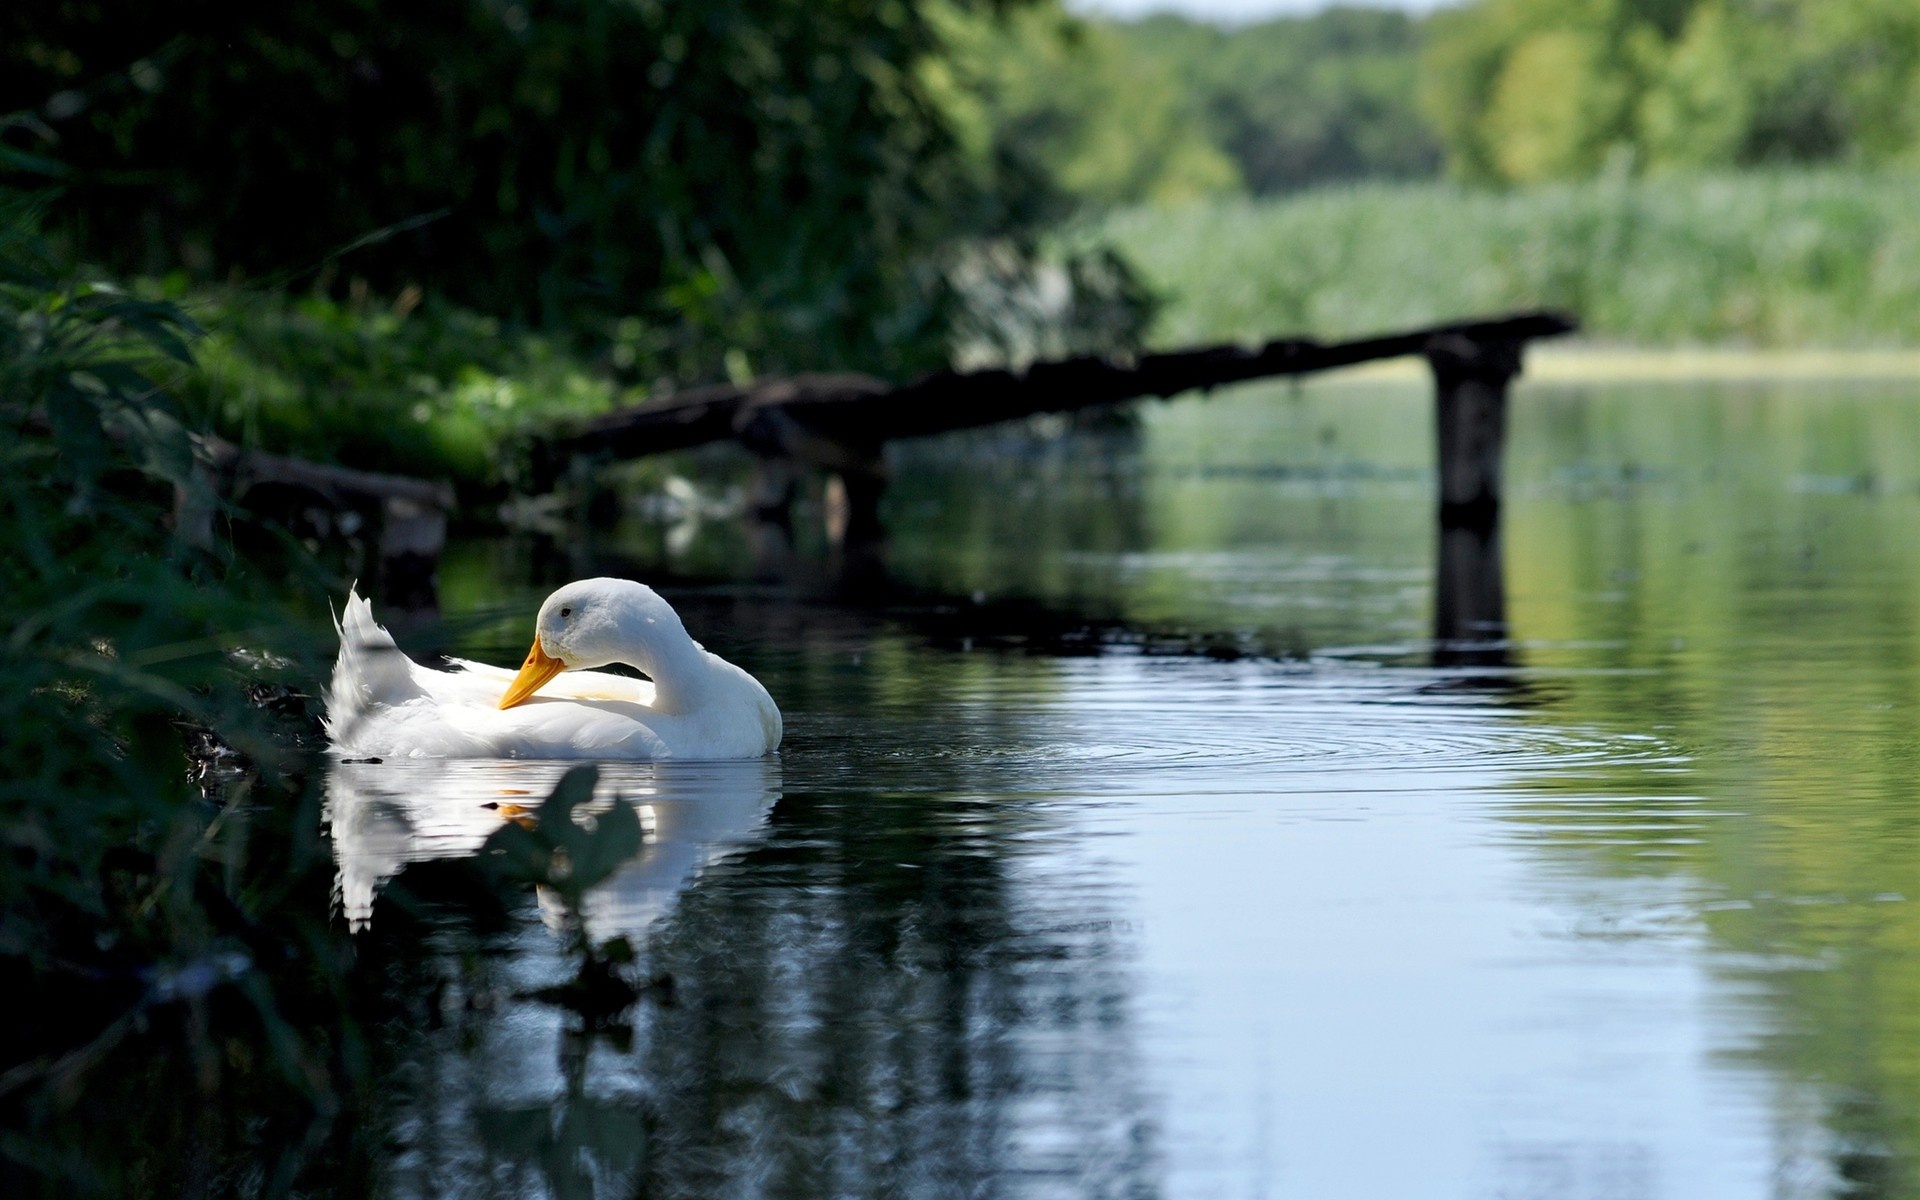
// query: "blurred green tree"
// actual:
[[1524, 90], [1298, 101], [1109, 121], [1167, 109]]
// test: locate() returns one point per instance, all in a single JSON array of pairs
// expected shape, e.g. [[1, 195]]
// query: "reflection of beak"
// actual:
[[539, 667]]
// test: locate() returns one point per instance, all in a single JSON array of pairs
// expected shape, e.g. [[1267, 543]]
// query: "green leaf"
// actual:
[[615, 839], [161, 324], [20, 160], [575, 788]]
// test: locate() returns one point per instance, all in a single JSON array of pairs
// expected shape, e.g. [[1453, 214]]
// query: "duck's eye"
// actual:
[[565, 613]]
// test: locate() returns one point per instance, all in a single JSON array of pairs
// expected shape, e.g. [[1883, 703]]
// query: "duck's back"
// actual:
[[383, 704]]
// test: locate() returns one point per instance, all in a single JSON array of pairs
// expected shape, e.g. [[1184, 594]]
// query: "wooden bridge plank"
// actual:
[[863, 412]]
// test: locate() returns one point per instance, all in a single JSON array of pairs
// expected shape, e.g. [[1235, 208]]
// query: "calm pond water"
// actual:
[[1624, 906]]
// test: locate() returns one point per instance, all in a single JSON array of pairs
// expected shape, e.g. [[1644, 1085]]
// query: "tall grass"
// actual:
[[157, 934], [1789, 258]]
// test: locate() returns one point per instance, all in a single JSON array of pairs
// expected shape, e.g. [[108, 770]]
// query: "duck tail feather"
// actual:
[[371, 671]]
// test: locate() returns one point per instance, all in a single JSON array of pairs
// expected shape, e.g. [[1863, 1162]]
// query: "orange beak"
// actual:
[[539, 667]]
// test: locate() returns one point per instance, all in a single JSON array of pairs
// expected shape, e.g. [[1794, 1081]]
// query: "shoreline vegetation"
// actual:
[[1785, 259]]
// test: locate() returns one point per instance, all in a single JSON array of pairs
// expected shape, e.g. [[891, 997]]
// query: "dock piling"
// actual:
[[1470, 377]]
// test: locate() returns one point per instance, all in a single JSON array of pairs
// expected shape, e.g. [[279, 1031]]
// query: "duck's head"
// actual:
[[595, 622]]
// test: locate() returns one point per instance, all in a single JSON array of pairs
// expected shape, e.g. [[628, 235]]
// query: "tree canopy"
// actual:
[[1524, 90], [1167, 108], [1298, 101], [781, 177]]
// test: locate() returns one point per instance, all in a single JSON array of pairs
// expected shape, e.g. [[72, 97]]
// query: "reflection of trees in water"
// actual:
[[879, 1013], [1764, 619]]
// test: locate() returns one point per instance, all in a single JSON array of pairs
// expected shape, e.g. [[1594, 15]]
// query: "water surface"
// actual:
[[1259, 892]]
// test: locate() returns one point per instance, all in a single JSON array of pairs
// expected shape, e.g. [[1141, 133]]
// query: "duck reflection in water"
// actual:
[[384, 816]]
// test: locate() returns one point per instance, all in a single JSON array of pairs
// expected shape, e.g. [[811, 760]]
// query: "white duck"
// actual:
[[698, 705]]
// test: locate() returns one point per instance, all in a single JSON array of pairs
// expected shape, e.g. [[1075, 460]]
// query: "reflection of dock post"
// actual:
[[857, 467], [1470, 598], [856, 479], [854, 532], [853, 503], [770, 499]]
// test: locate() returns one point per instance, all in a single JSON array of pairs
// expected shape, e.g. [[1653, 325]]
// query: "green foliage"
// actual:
[[1525, 90], [164, 916], [1168, 109], [1107, 123], [132, 904], [778, 180], [441, 392], [1782, 258], [435, 392], [1300, 101], [567, 850]]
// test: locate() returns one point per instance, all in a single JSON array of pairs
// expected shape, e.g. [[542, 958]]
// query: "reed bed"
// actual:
[[1785, 258]]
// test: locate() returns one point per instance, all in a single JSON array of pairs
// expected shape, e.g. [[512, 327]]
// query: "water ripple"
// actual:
[[1116, 714]]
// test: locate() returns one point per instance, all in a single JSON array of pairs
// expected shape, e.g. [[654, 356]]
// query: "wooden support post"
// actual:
[[856, 540], [770, 499], [1470, 378]]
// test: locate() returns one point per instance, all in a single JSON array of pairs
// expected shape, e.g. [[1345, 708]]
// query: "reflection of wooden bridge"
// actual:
[[841, 423]]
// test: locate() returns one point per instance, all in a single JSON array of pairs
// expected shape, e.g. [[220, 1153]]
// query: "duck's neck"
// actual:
[[681, 672]]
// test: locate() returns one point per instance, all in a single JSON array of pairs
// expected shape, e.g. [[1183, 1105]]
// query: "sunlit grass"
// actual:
[[433, 391], [1791, 258]]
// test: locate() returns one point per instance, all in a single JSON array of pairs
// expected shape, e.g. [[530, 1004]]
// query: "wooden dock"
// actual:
[[841, 423]]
